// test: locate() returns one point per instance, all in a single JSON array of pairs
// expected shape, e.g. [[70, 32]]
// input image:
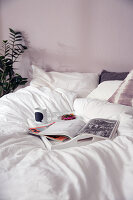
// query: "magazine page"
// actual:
[[36, 130], [101, 127], [65, 127]]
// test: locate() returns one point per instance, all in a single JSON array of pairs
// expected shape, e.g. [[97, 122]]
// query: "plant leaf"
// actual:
[[12, 31], [19, 36], [18, 33], [5, 41], [19, 39]]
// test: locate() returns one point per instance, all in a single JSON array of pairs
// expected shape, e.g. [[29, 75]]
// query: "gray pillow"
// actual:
[[106, 76]]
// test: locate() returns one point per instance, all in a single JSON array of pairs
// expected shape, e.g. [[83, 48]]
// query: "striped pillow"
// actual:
[[124, 94]]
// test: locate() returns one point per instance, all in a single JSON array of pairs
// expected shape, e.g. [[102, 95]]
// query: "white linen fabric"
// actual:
[[81, 83], [105, 90], [19, 106], [100, 171]]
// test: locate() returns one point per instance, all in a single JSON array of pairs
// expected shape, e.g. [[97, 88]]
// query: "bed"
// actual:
[[99, 171]]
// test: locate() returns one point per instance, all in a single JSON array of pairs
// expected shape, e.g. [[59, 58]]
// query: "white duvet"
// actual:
[[100, 171]]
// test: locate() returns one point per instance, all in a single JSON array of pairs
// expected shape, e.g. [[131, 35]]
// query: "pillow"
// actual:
[[124, 94], [80, 83], [105, 90], [95, 108], [106, 76]]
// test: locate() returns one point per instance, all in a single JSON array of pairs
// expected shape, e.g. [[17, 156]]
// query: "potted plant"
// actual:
[[9, 54]]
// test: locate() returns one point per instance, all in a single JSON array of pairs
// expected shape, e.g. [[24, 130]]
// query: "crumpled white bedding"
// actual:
[[100, 171]]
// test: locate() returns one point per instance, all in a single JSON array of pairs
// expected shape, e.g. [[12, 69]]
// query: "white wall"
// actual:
[[73, 35], [110, 34], [52, 27]]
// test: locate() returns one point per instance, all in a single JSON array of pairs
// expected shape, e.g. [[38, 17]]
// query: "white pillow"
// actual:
[[93, 108], [81, 83], [105, 90]]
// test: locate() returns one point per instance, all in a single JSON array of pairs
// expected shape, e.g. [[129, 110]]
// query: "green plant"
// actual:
[[9, 54]]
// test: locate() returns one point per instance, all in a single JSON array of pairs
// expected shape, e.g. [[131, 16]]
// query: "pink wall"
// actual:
[[110, 34], [73, 35]]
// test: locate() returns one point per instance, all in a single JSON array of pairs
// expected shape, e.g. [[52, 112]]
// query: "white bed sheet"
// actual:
[[100, 171]]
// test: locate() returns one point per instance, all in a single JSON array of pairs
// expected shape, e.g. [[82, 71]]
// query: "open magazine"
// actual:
[[64, 134], [59, 131]]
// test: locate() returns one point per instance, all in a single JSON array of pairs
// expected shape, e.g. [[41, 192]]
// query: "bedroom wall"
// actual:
[[72, 35], [51, 26], [110, 29]]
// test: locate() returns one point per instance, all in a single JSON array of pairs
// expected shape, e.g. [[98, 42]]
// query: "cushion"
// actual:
[[106, 76], [124, 94], [105, 90], [80, 83], [95, 108]]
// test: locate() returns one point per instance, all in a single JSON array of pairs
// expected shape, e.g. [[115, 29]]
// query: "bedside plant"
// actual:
[[9, 54]]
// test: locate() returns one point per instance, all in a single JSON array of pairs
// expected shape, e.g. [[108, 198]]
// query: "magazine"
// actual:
[[60, 130], [64, 134], [101, 128], [37, 130]]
